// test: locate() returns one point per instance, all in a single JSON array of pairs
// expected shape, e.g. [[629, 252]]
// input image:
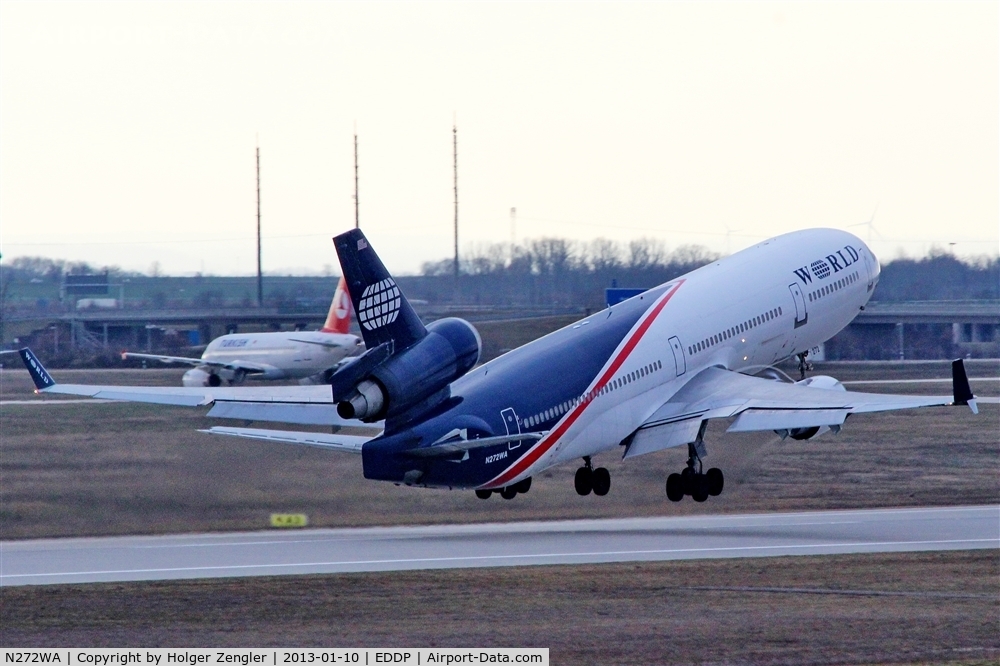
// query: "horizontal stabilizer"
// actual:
[[339, 442]]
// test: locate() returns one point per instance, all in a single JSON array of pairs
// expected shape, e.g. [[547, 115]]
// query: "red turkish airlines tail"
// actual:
[[339, 319]]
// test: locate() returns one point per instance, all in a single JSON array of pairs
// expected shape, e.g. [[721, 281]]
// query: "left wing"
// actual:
[[311, 404], [762, 404]]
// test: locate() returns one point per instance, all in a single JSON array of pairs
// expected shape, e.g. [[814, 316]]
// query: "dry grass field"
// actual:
[[93, 469], [118, 468], [932, 608]]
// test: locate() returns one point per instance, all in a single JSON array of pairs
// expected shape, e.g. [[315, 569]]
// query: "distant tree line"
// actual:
[[939, 277], [547, 272], [554, 272]]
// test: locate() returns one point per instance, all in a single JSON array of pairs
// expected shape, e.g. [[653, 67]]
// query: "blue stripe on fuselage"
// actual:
[[539, 376]]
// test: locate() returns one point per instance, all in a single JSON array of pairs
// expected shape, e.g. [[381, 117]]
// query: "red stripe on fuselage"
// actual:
[[549, 440]]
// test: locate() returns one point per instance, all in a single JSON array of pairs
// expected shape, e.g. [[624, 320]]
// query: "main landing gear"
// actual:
[[691, 481], [589, 479], [508, 492]]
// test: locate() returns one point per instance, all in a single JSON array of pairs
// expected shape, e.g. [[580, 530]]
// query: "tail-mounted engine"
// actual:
[[418, 374]]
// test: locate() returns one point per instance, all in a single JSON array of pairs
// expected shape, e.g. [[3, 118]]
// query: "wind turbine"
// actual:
[[870, 224]]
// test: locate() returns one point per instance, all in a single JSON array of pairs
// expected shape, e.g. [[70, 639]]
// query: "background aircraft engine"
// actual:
[[198, 377], [449, 350]]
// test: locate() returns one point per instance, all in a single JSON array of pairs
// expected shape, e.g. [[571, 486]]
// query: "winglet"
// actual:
[[960, 386], [38, 373]]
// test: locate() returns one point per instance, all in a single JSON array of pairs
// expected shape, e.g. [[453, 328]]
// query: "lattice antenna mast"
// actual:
[[357, 222], [513, 233], [454, 132], [260, 274]]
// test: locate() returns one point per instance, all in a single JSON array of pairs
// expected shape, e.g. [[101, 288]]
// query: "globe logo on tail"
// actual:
[[379, 304]]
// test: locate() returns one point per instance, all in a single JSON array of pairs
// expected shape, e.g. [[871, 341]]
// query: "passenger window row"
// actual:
[[614, 384], [733, 331], [836, 285]]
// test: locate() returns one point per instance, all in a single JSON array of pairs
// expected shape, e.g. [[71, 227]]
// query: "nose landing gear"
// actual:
[[589, 480], [692, 481]]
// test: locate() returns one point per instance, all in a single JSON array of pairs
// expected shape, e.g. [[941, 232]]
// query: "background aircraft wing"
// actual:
[[248, 368], [351, 343], [338, 441]]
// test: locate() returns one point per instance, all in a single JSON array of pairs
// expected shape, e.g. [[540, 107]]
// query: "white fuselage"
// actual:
[[747, 311], [282, 355]]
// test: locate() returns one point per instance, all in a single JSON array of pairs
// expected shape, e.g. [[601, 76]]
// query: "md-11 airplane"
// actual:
[[644, 375], [310, 356]]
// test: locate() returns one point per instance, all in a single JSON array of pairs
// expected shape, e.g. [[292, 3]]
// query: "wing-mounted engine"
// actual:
[[199, 377], [425, 370], [823, 382], [820, 382]]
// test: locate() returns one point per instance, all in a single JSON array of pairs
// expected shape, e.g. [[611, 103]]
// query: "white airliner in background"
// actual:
[[310, 356], [639, 377]]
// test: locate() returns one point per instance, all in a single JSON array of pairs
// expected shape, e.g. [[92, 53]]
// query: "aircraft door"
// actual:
[[512, 424], [801, 316], [680, 364]]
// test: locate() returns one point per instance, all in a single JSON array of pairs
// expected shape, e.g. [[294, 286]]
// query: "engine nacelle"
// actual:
[[449, 350], [822, 382], [818, 382], [198, 377]]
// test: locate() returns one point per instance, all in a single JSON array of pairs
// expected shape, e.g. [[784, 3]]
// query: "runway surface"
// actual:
[[498, 544]]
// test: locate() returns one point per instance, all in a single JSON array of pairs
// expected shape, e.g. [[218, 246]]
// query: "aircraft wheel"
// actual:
[[699, 488], [510, 492], [715, 481], [601, 481], [484, 494], [523, 486], [675, 488], [584, 481], [688, 476]]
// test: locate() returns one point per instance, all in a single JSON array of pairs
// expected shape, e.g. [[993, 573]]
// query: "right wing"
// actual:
[[758, 404]]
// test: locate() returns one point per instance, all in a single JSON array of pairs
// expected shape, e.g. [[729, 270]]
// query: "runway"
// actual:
[[270, 553]]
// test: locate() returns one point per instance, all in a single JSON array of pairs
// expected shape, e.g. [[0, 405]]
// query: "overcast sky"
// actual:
[[127, 130]]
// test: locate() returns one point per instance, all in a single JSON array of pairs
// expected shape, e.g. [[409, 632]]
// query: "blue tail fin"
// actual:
[[383, 313], [38, 373]]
